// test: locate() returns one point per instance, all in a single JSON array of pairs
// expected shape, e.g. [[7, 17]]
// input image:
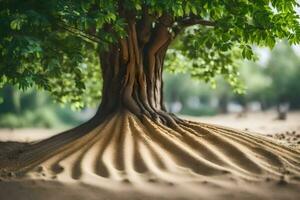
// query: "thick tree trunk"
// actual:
[[132, 74]]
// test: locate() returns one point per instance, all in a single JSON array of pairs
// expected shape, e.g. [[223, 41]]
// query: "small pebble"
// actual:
[[225, 172], [282, 181], [10, 174], [152, 180], [57, 169], [39, 169], [170, 183], [125, 180], [268, 179]]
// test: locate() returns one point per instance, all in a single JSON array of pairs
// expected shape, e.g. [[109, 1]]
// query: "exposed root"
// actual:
[[128, 149]]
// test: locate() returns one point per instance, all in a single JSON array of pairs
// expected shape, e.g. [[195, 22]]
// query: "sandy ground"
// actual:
[[286, 131], [54, 190], [262, 123], [41, 185]]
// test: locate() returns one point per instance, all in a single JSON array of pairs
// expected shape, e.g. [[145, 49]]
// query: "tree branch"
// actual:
[[166, 21], [144, 26], [194, 21], [81, 33], [190, 21]]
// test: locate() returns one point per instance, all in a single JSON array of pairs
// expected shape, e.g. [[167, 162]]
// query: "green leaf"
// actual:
[[15, 24], [194, 10]]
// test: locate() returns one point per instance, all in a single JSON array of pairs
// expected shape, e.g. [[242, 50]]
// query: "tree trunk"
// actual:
[[132, 133], [132, 74]]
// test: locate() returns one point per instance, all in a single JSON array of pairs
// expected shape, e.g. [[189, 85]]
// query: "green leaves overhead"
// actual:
[[54, 45], [213, 51], [199, 52]]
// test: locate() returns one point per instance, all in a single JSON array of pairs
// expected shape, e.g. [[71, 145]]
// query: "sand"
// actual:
[[54, 190], [136, 171]]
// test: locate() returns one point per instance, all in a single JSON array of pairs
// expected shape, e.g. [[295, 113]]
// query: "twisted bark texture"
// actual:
[[132, 138], [132, 70]]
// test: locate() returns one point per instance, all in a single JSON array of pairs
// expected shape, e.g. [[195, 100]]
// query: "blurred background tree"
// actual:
[[33, 109], [267, 86]]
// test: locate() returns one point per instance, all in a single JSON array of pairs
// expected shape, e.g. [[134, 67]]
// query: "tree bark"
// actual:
[[132, 72]]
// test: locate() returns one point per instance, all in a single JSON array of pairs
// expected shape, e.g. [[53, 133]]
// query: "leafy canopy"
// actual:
[[54, 45]]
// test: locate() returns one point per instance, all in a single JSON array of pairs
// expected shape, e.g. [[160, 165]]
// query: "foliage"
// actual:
[[284, 71], [54, 45], [43, 119], [196, 91], [276, 81], [32, 109]]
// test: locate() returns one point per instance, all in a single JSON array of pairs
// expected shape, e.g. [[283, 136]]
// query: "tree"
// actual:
[[276, 82], [57, 45], [257, 84], [33, 109], [284, 89]]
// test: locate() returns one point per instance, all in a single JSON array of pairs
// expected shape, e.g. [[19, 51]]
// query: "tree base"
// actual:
[[127, 148]]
